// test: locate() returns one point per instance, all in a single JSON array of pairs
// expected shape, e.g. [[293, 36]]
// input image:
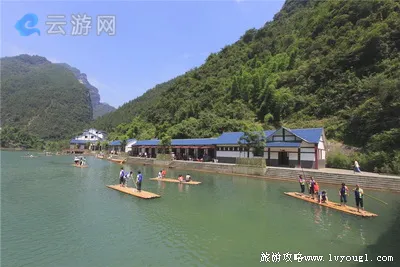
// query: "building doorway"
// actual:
[[283, 158]]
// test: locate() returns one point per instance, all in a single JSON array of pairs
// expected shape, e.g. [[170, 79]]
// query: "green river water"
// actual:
[[53, 214]]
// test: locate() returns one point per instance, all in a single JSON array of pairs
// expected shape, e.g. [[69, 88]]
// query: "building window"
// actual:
[[85, 136]]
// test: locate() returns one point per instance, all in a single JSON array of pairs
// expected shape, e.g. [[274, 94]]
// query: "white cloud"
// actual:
[[96, 83], [53, 60], [11, 50]]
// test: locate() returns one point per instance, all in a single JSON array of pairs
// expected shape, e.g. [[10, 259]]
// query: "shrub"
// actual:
[[339, 161]]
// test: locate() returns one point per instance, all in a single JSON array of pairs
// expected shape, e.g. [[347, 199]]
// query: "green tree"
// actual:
[[104, 146], [165, 142], [255, 140]]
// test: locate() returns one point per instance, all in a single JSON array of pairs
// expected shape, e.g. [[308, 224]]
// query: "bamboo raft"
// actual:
[[80, 166], [332, 205], [133, 191], [174, 181], [119, 161]]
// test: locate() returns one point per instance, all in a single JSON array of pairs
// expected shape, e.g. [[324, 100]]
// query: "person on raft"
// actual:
[[126, 178], [359, 193], [312, 184], [159, 176], [139, 179], [76, 160], [323, 197], [316, 189], [302, 183], [163, 173], [121, 177], [180, 178], [343, 192], [188, 178]]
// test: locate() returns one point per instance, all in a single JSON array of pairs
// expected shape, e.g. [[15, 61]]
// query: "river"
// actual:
[[53, 214]]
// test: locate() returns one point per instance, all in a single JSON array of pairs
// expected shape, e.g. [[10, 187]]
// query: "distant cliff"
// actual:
[[99, 109], [42, 99]]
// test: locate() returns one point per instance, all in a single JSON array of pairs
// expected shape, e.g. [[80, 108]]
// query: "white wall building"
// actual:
[[129, 144], [92, 135]]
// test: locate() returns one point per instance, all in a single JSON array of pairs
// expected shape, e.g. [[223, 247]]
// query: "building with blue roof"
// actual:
[[129, 144], [88, 139], [284, 147]]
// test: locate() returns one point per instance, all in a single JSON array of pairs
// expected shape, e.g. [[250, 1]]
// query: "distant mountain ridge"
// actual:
[[42, 98], [99, 108]]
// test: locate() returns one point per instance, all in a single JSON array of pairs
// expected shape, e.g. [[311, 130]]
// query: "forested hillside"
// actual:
[[42, 99], [99, 108], [140, 106], [334, 64]]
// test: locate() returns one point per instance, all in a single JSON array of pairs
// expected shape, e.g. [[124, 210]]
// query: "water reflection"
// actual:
[[317, 215], [346, 229], [361, 228], [160, 185], [322, 217], [239, 181], [264, 186]]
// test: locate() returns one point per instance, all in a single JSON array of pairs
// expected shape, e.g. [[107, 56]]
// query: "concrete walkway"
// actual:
[[349, 172]]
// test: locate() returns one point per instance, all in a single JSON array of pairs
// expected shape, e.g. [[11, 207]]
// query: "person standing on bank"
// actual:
[[139, 179], [359, 193], [356, 167], [302, 182]]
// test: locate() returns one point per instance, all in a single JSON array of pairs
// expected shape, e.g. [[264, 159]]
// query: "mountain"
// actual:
[[139, 106], [42, 98], [332, 64], [99, 109], [320, 63]]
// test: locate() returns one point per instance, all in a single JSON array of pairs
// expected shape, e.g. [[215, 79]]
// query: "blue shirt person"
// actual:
[[121, 177], [139, 179]]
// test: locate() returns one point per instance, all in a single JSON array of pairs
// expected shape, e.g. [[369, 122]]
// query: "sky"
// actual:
[[154, 41]]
